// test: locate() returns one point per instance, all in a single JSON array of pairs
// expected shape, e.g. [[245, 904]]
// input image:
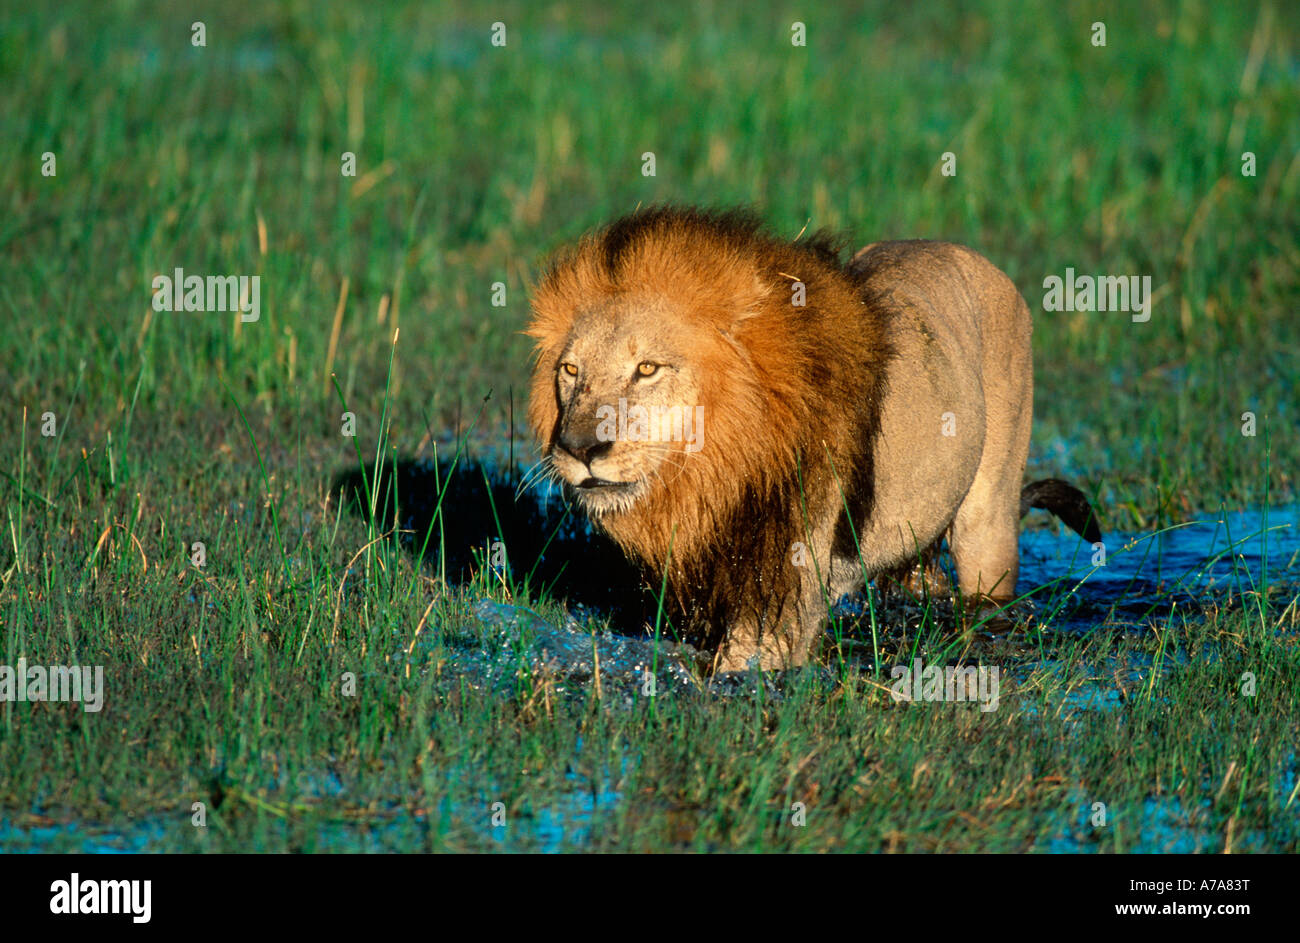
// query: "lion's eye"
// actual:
[[570, 369], [647, 369]]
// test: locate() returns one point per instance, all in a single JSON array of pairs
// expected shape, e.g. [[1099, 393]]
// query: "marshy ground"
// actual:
[[340, 677]]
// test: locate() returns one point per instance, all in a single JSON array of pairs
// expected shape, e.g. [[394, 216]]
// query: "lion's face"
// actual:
[[627, 383]]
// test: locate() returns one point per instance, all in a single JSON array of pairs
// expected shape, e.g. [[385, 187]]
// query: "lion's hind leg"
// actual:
[[985, 542]]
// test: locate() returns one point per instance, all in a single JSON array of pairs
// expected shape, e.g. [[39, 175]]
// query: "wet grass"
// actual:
[[226, 682], [246, 712]]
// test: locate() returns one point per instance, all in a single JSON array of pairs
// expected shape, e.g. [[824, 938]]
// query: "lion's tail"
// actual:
[[1065, 501]]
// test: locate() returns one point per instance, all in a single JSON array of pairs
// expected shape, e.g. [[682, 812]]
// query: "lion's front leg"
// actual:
[[784, 635], [785, 641], [749, 645]]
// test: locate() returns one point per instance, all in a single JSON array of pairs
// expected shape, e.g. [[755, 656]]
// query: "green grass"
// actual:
[[473, 162]]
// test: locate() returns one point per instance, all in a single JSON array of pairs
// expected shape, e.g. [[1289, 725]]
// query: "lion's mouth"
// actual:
[[593, 484], [601, 497]]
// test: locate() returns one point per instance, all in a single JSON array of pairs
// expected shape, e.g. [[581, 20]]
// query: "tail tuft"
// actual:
[[1065, 501]]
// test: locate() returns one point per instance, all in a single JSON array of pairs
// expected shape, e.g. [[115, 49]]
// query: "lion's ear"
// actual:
[[752, 306], [730, 337]]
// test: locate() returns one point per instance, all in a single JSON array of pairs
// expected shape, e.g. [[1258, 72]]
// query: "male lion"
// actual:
[[761, 426]]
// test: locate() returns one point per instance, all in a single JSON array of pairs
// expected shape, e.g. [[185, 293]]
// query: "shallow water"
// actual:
[[566, 822], [83, 838], [1164, 825], [1209, 558]]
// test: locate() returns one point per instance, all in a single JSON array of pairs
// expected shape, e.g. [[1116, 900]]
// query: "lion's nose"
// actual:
[[585, 448]]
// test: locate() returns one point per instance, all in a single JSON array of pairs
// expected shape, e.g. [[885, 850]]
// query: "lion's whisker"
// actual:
[[535, 474]]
